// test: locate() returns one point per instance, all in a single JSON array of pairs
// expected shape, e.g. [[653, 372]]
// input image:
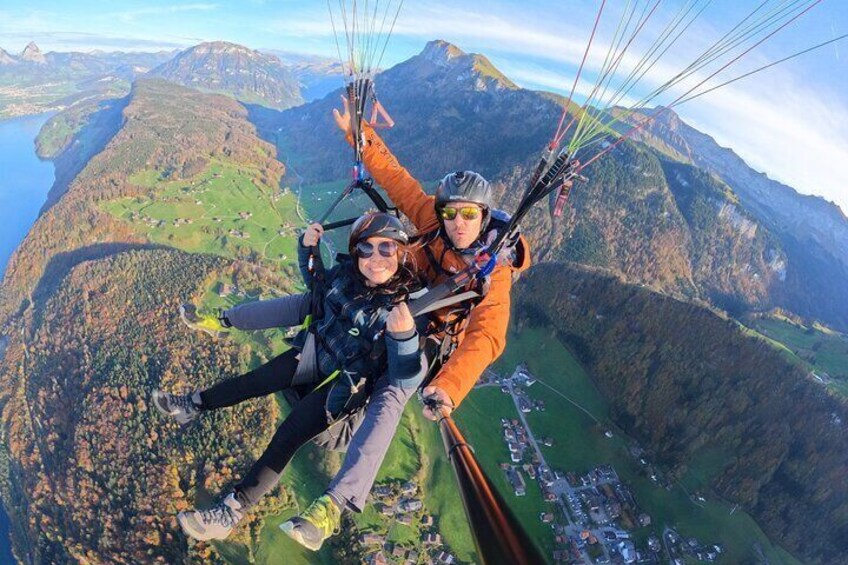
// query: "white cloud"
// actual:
[[132, 15]]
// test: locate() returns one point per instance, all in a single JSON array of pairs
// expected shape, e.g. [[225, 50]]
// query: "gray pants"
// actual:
[[369, 444]]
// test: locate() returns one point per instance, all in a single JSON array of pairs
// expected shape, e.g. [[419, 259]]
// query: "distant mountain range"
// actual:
[[33, 82], [317, 75]]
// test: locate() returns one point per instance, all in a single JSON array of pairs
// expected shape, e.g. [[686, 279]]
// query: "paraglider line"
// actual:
[[557, 136]]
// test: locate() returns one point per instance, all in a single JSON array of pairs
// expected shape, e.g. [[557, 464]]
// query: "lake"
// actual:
[[25, 181]]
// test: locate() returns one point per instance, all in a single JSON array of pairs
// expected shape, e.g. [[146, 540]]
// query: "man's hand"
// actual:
[[445, 402], [400, 319], [343, 119], [313, 235]]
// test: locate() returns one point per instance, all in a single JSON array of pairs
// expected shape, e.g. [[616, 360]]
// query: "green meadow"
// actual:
[[576, 416], [818, 348], [223, 211]]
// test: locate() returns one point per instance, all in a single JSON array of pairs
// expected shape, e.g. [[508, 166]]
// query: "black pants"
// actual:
[[274, 376], [307, 419]]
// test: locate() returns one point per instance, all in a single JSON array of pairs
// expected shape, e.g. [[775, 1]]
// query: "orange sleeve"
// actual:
[[483, 342], [406, 192]]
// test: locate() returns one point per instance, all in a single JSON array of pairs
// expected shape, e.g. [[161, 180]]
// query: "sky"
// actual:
[[790, 121]]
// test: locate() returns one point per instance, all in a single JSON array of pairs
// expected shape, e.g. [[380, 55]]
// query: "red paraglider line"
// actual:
[[557, 136], [612, 67], [688, 92]]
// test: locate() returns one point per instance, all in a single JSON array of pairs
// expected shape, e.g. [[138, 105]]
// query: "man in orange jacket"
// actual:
[[463, 339], [457, 221]]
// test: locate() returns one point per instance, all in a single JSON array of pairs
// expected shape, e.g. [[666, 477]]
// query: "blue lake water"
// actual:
[[25, 181]]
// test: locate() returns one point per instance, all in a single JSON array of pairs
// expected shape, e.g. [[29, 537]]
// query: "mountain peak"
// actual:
[[441, 52], [223, 48], [236, 70], [33, 54], [5, 58], [448, 56]]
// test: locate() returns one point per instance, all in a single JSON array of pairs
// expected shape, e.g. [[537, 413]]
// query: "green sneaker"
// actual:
[[208, 323], [320, 521]]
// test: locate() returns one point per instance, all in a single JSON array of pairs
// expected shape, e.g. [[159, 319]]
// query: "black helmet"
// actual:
[[464, 186], [376, 224]]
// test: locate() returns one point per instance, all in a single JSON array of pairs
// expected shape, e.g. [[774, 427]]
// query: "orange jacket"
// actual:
[[484, 336]]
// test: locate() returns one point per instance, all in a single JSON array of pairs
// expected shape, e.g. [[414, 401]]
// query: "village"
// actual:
[[400, 504], [593, 515]]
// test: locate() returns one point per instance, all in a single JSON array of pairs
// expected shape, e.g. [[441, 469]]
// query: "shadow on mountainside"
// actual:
[[62, 263], [102, 125]]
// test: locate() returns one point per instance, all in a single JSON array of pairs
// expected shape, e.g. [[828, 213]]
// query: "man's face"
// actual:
[[464, 227]]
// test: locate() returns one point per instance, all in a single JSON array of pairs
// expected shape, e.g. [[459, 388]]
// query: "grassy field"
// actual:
[[223, 211], [483, 431], [818, 348], [580, 444]]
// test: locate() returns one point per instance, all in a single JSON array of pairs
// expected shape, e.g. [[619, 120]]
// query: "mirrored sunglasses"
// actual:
[[365, 249], [467, 213]]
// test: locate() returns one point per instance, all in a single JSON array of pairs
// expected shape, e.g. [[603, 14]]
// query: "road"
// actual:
[[298, 205], [559, 487]]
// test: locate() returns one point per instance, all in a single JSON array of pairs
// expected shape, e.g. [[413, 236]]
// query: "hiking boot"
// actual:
[[215, 523], [207, 323], [182, 407], [320, 521]]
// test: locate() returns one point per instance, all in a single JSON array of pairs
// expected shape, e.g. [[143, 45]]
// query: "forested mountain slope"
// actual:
[[90, 322], [235, 70], [686, 382]]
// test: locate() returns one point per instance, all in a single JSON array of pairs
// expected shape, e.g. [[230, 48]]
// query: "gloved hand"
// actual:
[[441, 398], [207, 323]]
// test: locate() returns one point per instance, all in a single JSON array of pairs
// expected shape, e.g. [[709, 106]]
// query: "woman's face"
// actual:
[[377, 269]]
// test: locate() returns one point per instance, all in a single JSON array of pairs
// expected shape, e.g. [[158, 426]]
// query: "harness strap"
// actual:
[[329, 379], [437, 265], [449, 301]]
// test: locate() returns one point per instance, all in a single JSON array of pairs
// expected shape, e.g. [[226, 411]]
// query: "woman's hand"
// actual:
[[400, 320], [343, 120], [313, 235]]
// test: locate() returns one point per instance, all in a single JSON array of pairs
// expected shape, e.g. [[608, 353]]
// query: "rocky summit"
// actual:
[[235, 70]]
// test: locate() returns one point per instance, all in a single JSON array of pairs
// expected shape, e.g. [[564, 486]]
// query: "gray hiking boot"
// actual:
[[214, 523], [182, 407]]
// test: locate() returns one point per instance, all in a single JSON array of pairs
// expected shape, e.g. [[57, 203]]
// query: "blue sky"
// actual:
[[790, 121]]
